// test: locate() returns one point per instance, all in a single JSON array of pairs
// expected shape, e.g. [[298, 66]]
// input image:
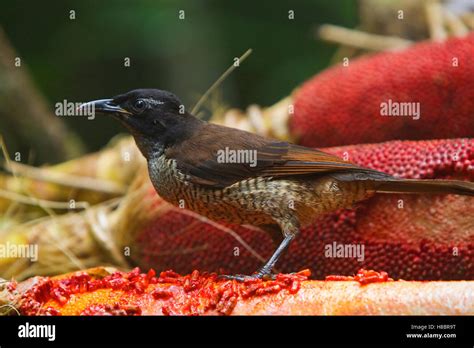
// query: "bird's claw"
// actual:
[[244, 277]]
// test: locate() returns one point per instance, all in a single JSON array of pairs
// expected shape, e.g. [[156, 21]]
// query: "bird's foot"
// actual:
[[264, 275]]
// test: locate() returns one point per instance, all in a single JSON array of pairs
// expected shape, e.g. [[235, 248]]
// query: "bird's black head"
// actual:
[[157, 119]]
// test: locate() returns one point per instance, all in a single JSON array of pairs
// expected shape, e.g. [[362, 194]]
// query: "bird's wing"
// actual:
[[210, 158]]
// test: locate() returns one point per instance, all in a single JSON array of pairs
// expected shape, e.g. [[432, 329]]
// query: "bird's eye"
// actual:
[[139, 105]]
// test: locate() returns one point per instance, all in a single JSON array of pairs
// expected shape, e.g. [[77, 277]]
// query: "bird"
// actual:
[[230, 175]]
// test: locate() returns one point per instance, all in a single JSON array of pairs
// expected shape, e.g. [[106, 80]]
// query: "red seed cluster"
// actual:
[[203, 293], [61, 290], [363, 276], [415, 160], [111, 310], [342, 105], [429, 238], [193, 294]]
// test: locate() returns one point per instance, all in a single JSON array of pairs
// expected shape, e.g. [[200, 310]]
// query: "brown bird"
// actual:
[[231, 175]]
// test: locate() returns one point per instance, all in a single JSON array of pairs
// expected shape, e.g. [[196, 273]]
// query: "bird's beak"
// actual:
[[105, 106]]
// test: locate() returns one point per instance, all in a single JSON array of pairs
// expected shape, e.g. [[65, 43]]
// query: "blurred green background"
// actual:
[[83, 59]]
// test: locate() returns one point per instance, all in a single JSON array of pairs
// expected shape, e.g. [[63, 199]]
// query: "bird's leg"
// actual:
[[267, 268], [266, 271]]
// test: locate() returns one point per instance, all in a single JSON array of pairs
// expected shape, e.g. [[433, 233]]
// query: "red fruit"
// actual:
[[342, 105], [207, 295]]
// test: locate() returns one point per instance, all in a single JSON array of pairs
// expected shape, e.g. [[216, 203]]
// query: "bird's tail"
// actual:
[[425, 186]]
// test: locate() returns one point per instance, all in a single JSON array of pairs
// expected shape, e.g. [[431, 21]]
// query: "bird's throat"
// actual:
[[150, 148]]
